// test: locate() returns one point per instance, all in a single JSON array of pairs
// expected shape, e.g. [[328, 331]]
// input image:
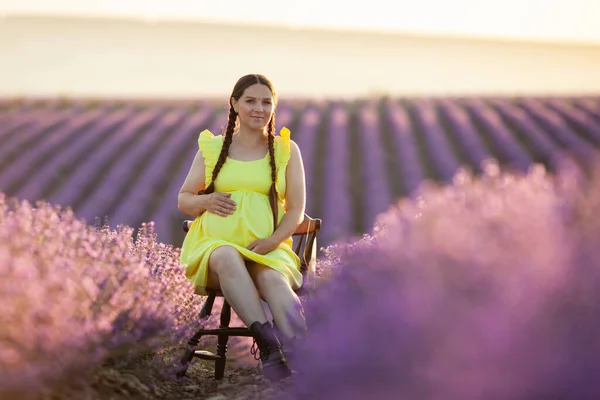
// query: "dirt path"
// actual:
[[145, 381]]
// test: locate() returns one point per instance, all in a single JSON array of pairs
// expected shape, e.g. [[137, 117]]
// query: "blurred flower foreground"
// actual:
[[486, 288], [74, 296]]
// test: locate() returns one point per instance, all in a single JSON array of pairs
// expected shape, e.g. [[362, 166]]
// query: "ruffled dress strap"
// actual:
[[210, 146], [282, 150]]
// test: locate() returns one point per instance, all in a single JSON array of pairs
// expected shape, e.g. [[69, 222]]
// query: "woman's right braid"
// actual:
[[224, 150], [273, 191]]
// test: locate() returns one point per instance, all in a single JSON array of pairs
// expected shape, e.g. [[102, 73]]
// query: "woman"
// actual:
[[251, 199]]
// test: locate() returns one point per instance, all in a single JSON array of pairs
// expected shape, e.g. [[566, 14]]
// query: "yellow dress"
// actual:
[[249, 183]]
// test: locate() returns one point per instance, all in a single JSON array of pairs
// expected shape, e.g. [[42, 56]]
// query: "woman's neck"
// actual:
[[250, 138]]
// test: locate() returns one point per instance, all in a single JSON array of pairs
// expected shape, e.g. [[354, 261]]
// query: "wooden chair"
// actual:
[[306, 249]]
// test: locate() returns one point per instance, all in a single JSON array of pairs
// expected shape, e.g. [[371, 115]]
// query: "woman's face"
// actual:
[[255, 108]]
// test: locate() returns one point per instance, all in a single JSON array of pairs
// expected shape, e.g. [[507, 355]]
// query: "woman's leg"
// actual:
[[227, 271], [283, 302]]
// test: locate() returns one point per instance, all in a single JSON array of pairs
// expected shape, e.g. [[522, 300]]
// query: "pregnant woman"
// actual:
[[246, 191]]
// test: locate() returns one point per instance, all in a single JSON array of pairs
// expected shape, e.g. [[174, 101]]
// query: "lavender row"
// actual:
[[167, 214], [130, 194], [30, 133], [48, 179], [590, 105], [556, 126], [491, 274], [49, 146], [503, 140], [79, 184], [538, 136], [305, 137], [13, 121], [75, 298], [375, 181], [465, 132], [120, 174], [335, 197], [405, 147], [147, 185], [584, 121], [437, 141]]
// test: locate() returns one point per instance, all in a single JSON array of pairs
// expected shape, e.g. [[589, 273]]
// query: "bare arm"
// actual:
[[295, 196], [191, 203], [188, 201]]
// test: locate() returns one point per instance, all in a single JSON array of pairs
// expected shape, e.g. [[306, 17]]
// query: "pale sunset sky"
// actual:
[[553, 20], [173, 62]]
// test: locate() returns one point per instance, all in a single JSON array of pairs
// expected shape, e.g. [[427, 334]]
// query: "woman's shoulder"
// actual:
[[283, 143], [207, 136], [210, 144]]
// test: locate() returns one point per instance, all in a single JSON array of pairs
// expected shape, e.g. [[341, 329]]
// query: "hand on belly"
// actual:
[[251, 220]]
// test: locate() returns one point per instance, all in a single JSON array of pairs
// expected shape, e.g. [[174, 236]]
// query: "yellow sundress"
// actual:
[[249, 183]]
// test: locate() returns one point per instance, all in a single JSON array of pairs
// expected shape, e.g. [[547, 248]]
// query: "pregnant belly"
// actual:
[[250, 221]]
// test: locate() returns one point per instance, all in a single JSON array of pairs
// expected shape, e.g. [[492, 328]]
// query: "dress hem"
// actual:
[[248, 255]]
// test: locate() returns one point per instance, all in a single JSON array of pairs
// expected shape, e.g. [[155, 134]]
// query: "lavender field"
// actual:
[[484, 286], [126, 160]]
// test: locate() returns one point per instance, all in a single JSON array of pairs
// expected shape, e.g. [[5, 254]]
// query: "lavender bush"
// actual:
[[74, 296], [488, 288]]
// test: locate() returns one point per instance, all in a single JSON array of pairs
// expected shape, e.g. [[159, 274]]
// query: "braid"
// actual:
[[224, 151], [238, 91], [273, 192]]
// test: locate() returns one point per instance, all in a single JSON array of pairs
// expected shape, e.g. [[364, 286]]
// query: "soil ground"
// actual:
[[151, 380]]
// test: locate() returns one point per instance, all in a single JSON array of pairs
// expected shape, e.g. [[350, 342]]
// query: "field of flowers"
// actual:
[[127, 159], [485, 285]]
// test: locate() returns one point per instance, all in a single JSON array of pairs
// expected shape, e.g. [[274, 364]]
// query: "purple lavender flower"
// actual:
[[484, 289], [336, 203], [74, 295], [404, 146], [306, 137], [556, 126], [376, 194], [440, 152]]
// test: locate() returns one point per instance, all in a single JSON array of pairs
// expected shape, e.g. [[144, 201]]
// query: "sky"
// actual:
[[547, 20]]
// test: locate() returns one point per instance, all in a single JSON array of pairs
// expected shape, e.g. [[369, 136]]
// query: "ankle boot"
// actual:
[[271, 355], [289, 349], [289, 346]]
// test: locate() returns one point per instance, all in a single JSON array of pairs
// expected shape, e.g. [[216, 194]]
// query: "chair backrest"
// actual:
[[306, 248]]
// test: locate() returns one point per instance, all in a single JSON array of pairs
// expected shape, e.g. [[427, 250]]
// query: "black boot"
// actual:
[[289, 349], [289, 346], [274, 363]]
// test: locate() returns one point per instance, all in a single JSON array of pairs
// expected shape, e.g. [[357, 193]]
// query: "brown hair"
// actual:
[[238, 90]]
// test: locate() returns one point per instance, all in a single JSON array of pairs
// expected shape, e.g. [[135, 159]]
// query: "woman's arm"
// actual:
[[188, 200], [191, 203], [295, 196]]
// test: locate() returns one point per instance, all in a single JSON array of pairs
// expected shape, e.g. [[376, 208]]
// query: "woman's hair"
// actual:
[[238, 90]]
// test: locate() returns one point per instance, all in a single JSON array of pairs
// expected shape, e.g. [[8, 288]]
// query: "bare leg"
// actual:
[[227, 271], [283, 302]]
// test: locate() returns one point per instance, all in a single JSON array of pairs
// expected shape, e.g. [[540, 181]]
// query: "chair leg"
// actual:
[[222, 342], [188, 354]]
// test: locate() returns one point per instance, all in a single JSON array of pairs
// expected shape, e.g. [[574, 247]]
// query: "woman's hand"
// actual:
[[263, 246], [219, 203]]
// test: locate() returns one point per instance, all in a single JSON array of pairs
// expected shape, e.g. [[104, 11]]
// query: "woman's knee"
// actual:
[[226, 260]]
